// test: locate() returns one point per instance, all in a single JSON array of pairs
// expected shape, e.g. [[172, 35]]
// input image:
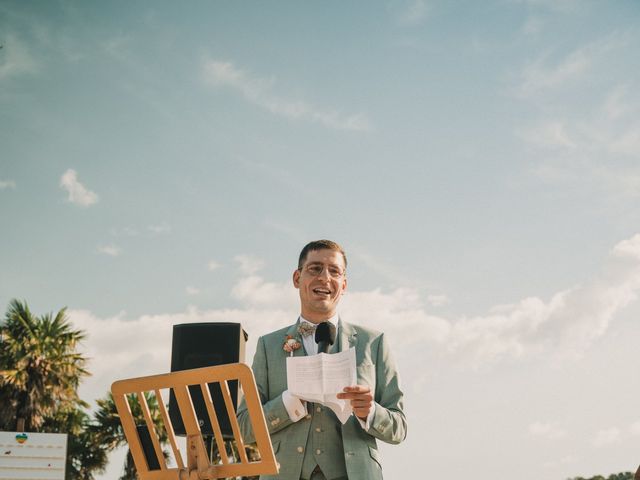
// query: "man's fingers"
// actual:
[[357, 389], [354, 391], [348, 396], [360, 398], [353, 396]]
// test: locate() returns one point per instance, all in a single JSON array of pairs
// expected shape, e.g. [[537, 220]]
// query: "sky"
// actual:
[[163, 163]]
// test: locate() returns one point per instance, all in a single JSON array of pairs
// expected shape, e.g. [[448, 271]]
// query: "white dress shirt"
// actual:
[[310, 345]]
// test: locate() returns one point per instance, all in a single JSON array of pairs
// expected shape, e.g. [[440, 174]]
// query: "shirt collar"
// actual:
[[333, 320]]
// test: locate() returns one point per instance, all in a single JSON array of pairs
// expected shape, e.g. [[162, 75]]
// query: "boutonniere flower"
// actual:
[[290, 344]]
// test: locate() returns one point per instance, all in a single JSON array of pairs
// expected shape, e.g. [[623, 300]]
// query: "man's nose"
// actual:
[[325, 273]]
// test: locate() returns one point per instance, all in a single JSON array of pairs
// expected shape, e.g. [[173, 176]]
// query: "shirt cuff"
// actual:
[[366, 424], [296, 408]]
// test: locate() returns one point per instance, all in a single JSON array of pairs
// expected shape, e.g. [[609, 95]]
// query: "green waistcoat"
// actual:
[[324, 444]]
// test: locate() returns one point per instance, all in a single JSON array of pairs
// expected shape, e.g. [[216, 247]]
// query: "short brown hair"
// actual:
[[320, 245]]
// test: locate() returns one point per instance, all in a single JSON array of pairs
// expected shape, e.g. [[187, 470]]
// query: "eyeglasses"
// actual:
[[316, 269]]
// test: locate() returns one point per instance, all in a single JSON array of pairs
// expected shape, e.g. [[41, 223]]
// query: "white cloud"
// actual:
[[437, 300], [612, 128], [255, 291], [7, 184], [213, 265], [249, 264], [15, 59], [634, 428], [628, 248], [113, 359], [192, 290], [606, 437], [538, 76], [550, 134], [628, 143], [111, 250], [397, 312], [595, 151], [542, 74], [258, 91], [414, 14], [159, 229], [616, 104], [566, 460], [546, 430], [78, 193], [564, 326]]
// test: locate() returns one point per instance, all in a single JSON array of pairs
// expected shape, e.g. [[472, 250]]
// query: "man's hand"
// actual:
[[361, 400]]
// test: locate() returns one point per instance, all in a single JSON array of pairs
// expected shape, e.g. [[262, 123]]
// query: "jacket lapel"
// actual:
[[348, 336], [293, 332]]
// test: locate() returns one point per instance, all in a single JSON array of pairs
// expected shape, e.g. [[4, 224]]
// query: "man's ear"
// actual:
[[296, 278], [344, 285]]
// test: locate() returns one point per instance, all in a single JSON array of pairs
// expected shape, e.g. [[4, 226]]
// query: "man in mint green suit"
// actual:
[[309, 441]]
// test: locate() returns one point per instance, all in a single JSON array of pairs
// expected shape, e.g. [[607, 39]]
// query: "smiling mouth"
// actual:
[[322, 291]]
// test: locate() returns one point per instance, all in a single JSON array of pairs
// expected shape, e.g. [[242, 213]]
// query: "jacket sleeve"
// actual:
[[389, 422], [274, 410]]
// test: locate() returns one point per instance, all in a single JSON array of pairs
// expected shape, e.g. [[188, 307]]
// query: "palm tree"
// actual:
[[109, 432], [40, 369]]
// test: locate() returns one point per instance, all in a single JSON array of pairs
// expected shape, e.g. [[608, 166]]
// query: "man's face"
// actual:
[[320, 292]]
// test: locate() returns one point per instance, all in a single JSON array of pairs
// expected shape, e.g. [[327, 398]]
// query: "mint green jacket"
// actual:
[[375, 367]]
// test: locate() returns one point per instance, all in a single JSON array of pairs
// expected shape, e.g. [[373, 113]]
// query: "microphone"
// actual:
[[325, 336]]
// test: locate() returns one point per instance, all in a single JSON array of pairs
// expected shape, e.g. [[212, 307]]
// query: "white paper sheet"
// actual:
[[319, 378]]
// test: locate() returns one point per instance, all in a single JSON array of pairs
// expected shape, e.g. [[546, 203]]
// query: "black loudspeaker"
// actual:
[[198, 345], [147, 447]]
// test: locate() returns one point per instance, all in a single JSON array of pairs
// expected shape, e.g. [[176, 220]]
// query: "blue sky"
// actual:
[[163, 163]]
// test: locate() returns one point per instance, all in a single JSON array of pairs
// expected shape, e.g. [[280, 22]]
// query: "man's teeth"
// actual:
[[320, 290]]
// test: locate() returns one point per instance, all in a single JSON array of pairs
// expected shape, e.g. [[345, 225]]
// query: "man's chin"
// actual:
[[323, 307]]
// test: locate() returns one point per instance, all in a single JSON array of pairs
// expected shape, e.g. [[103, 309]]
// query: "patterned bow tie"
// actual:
[[305, 329]]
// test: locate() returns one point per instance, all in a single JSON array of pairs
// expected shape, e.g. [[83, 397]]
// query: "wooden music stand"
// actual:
[[199, 466]]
